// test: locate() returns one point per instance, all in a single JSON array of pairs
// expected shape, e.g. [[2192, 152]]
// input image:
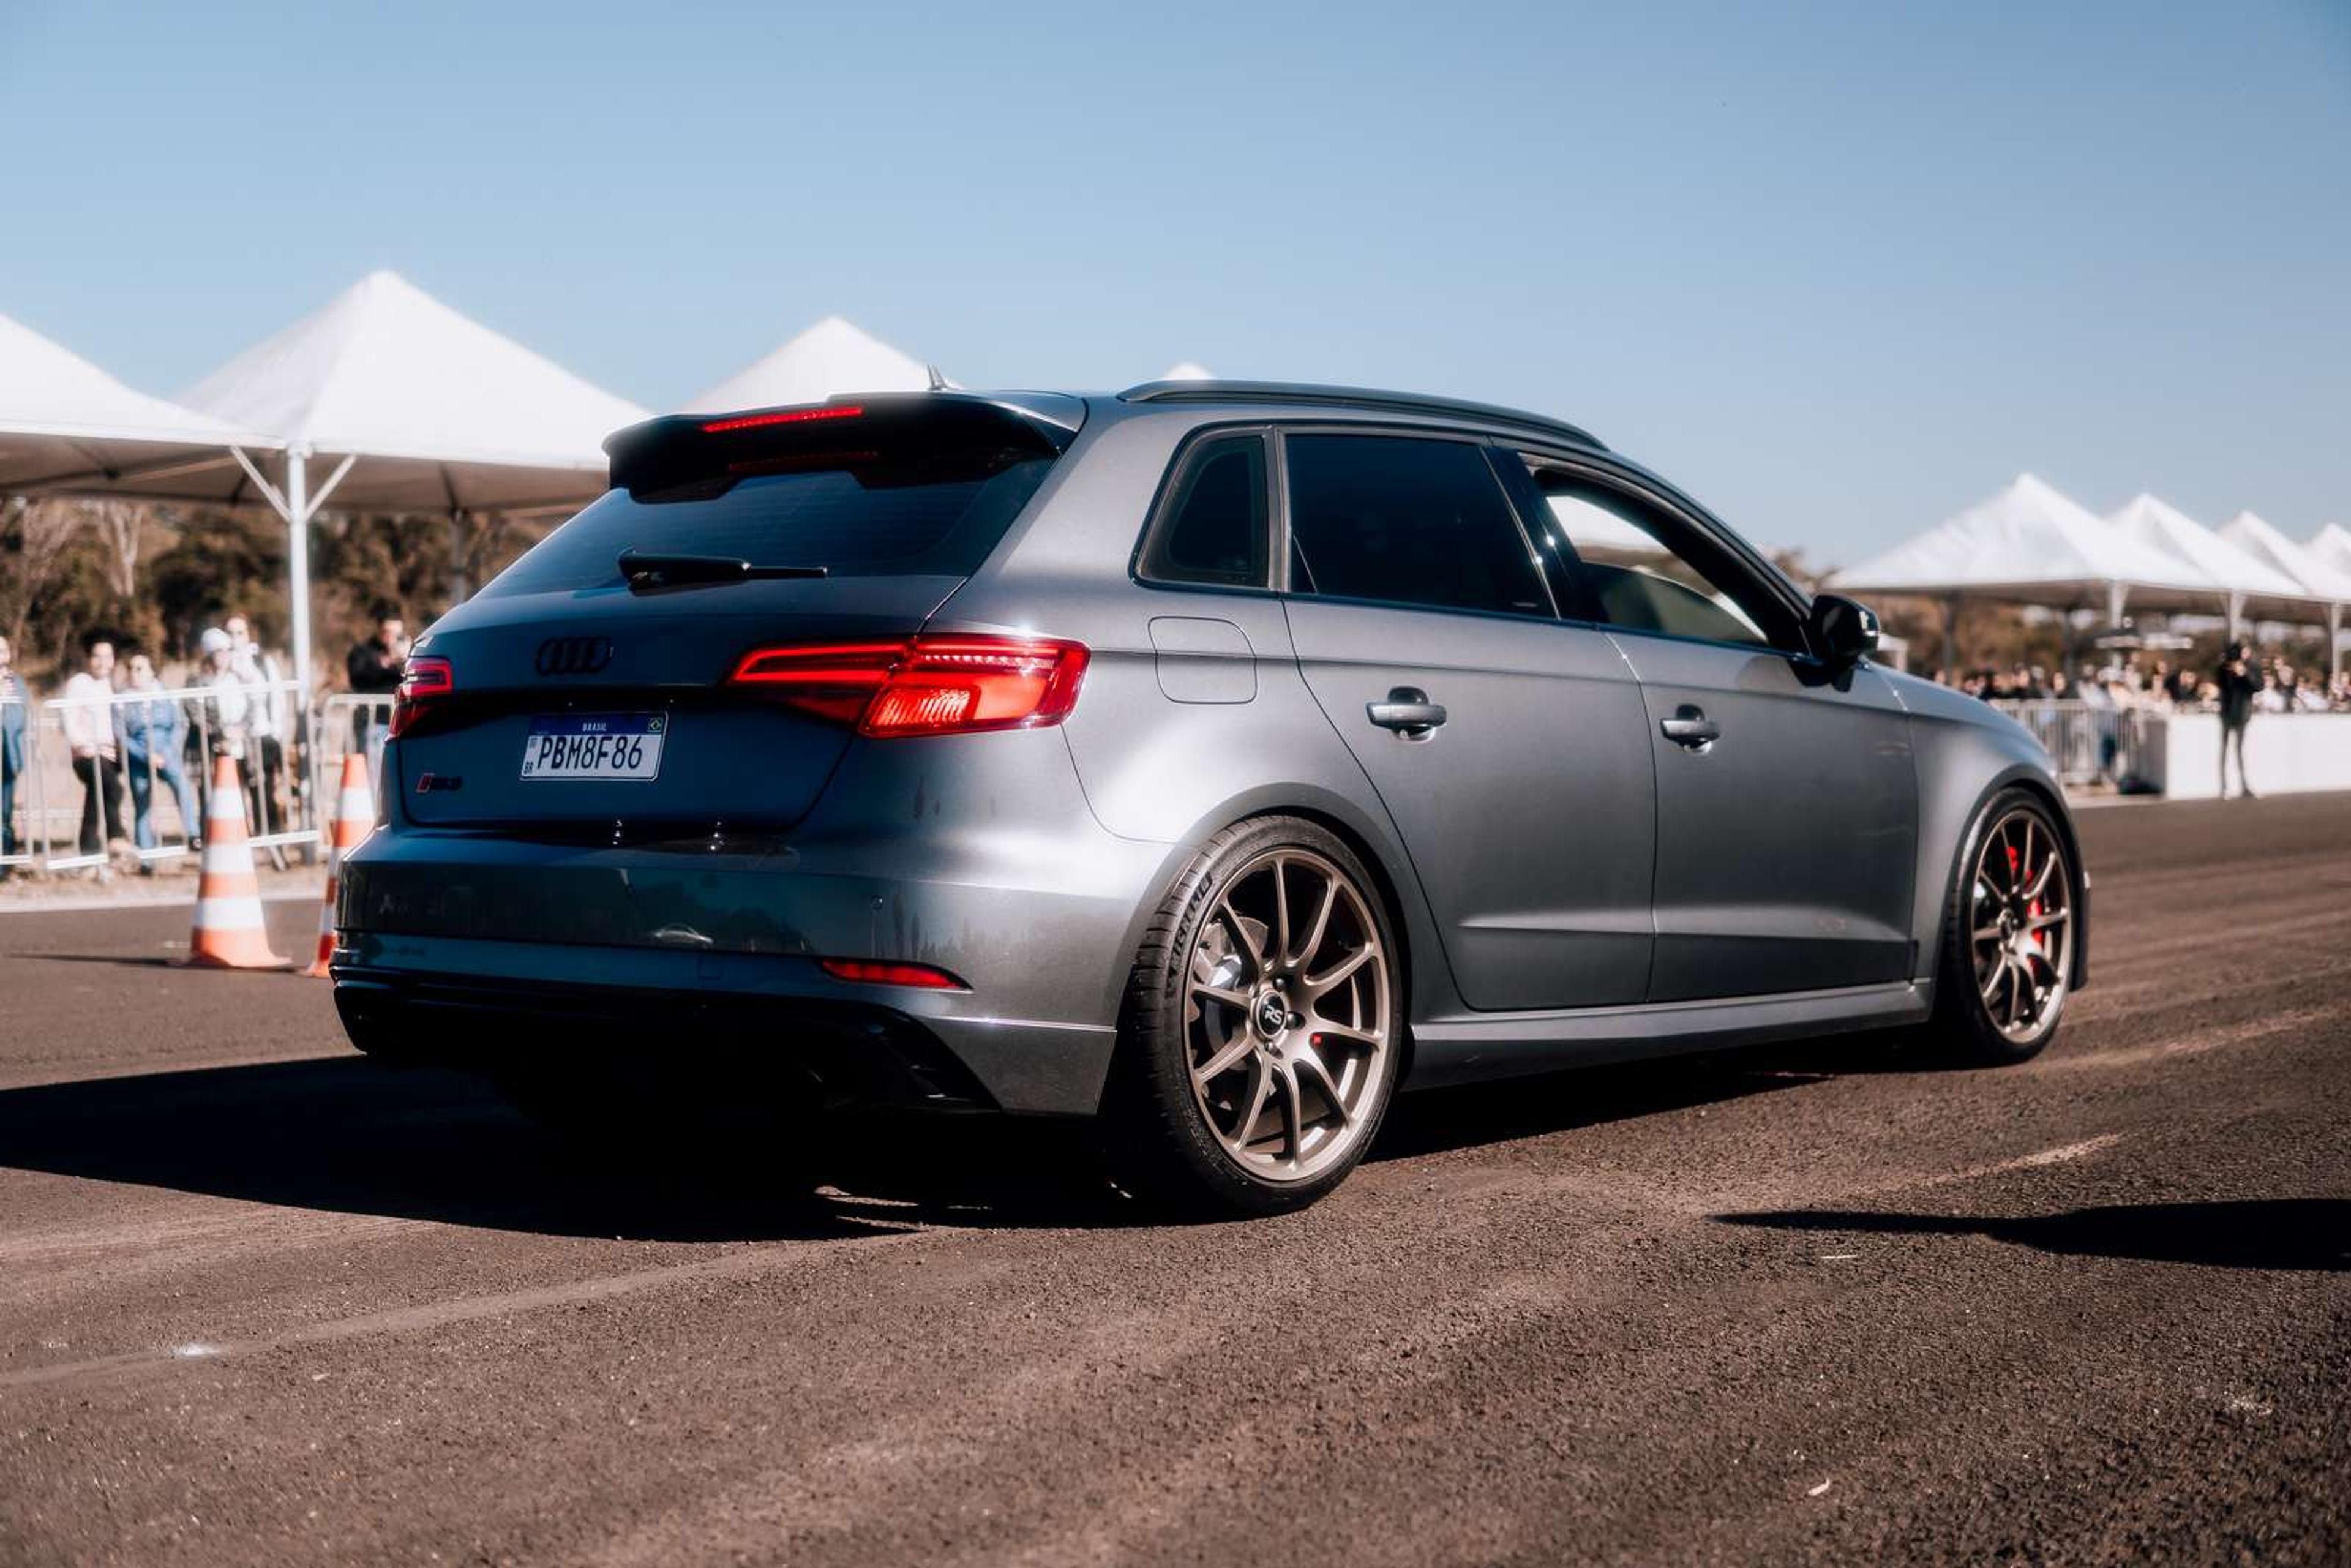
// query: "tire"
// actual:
[[2004, 970], [1309, 1027]]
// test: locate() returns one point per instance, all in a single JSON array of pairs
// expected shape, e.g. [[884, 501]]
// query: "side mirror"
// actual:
[[1844, 631]]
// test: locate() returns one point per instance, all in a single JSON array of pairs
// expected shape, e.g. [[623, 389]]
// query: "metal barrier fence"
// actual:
[[20, 784], [2089, 744], [66, 803]]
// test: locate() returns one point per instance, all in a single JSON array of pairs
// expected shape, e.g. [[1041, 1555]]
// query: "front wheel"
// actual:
[[2007, 961], [1262, 1033]]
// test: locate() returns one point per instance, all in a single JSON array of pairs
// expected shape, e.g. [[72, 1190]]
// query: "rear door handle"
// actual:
[[1689, 727], [1408, 711]]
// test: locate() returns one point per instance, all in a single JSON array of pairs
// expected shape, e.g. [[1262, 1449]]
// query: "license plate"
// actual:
[[625, 746]]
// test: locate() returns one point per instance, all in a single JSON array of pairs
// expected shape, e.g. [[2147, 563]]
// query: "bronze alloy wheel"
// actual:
[[2021, 925], [1286, 1014]]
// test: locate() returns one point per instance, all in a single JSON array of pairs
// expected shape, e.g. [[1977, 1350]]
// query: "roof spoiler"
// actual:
[[849, 431]]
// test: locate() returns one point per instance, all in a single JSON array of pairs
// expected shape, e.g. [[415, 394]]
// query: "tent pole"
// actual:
[[460, 585], [1951, 637], [298, 565], [2236, 612], [2333, 643]]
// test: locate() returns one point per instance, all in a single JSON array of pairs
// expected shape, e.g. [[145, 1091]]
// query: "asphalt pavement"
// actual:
[[263, 1301]]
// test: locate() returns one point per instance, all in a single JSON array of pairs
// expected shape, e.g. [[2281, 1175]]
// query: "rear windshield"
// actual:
[[874, 522]]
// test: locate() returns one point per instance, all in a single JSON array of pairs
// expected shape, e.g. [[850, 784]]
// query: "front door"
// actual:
[[1786, 844], [1506, 746], [1787, 801]]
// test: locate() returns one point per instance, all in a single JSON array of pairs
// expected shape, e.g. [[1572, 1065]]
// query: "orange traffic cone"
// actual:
[[354, 814], [228, 933]]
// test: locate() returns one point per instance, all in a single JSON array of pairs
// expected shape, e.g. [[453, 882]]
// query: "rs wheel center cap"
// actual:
[[1271, 1014]]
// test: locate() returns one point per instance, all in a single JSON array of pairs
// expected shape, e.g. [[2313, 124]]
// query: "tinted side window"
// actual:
[[1644, 570], [1212, 527], [1406, 521]]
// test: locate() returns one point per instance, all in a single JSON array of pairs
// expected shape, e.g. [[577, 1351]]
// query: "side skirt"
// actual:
[[1468, 1048]]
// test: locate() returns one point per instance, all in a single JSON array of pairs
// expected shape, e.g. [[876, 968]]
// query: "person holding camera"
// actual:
[[2239, 681]]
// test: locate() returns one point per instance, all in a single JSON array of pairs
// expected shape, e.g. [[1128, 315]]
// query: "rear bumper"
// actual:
[[973, 855], [827, 1051], [486, 1005]]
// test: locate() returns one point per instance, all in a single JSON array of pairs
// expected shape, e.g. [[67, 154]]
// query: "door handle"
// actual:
[[1408, 712], [1690, 728]]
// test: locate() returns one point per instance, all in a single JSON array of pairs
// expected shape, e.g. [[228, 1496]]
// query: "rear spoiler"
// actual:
[[852, 431]]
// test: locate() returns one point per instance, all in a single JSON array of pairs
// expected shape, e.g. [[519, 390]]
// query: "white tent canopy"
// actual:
[[2258, 538], [2031, 544], [419, 409], [833, 356], [1188, 370], [444, 413], [2331, 547], [67, 425], [2250, 584]]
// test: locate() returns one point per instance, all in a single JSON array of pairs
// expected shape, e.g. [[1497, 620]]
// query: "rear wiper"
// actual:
[[648, 570]]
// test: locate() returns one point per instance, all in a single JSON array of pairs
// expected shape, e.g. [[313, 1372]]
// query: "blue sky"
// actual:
[[1840, 269]]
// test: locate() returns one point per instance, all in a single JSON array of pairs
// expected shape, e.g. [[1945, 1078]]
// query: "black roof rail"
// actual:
[[1355, 397]]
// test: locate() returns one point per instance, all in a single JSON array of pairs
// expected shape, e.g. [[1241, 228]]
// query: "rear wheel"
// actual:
[[1262, 1033], [2007, 959]]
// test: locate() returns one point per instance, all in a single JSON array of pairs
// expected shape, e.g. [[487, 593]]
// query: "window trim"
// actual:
[[1659, 496], [1158, 516], [1483, 440]]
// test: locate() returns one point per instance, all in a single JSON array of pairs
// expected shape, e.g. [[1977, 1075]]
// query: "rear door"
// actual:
[[587, 696], [1787, 799], [1506, 746]]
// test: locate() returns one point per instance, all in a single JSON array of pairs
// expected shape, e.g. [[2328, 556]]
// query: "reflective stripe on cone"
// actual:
[[228, 932]]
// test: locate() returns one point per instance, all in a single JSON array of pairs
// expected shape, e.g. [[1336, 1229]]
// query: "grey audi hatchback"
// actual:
[[1213, 759]]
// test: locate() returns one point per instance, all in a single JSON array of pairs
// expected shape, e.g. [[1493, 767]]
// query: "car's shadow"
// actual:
[[344, 1134], [2312, 1233]]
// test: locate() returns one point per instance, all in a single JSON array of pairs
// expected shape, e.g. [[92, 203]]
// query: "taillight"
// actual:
[[926, 686], [423, 683], [881, 972]]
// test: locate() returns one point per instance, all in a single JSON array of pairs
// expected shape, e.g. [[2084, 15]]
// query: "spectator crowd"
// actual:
[[2278, 685], [126, 734], [2093, 742]]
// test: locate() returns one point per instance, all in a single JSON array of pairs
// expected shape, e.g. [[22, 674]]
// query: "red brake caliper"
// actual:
[[2033, 908]]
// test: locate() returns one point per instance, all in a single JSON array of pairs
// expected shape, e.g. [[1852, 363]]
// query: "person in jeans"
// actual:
[[2241, 682], [15, 709], [151, 734], [97, 760]]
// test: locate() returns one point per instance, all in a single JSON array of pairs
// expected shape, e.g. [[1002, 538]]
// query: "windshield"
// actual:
[[884, 520]]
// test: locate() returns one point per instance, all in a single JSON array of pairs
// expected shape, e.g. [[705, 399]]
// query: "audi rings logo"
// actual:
[[574, 655]]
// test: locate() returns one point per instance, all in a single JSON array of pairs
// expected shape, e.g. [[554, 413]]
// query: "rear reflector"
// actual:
[[878, 972], [926, 686]]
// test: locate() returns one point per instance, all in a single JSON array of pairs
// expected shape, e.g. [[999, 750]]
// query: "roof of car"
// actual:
[[1300, 393]]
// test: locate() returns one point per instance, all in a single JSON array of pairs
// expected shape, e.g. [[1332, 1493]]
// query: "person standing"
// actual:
[[374, 668], [228, 707], [15, 709], [2239, 682], [268, 722], [97, 760], [151, 732]]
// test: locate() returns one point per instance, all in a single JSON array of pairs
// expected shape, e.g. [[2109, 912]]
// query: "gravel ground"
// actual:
[[262, 1300]]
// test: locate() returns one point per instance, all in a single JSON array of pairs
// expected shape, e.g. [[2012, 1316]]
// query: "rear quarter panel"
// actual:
[[1155, 769]]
